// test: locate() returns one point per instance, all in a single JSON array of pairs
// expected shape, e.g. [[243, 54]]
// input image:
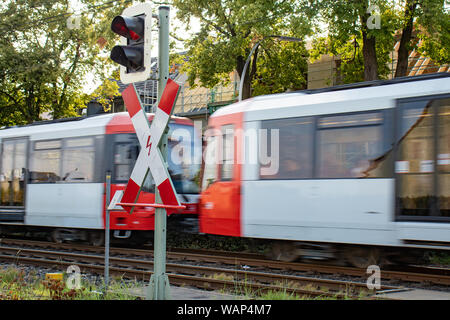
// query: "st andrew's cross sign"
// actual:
[[150, 157]]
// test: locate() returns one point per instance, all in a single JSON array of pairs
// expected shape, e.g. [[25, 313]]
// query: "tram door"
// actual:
[[422, 164], [221, 197], [13, 174]]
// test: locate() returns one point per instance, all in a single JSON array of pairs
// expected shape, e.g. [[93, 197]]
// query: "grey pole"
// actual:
[[107, 227], [159, 288], [241, 84], [255, 46]]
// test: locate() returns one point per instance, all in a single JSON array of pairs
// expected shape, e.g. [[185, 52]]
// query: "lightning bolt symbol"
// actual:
[[149, 145]]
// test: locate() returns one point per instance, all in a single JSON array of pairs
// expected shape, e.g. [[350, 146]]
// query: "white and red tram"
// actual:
[[52, 176], [358, 165]]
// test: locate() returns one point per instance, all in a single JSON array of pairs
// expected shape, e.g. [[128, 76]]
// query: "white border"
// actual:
[[142, 8]]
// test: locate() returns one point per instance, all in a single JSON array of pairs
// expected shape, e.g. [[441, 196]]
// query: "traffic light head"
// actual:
[[134, 27]]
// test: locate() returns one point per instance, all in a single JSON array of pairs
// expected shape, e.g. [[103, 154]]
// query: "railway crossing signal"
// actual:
[[134, 53], [150, 157]]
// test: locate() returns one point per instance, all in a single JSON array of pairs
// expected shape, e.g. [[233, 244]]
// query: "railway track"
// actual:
[[419, 274], [137, 263]]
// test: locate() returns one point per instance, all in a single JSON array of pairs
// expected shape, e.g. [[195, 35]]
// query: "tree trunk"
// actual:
[[370, 58], [403, 49], [369, 46]]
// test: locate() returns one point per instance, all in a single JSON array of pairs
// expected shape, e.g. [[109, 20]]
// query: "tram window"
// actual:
[[126, 151], [415, 159], [12, 176], [184, 157], [68, 160], [443, 158], [423, 159], [78, 160], [227, 153], [124, 158], [416, 144], [6, 173], [46, 161], [295, 148], [7, 160], [340, 121], [443, 155], [350, 146], [48, 144], [211, 156]]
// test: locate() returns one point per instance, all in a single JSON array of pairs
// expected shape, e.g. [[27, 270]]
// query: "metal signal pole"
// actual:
[[159, 288], [107, 230], [255, 46]]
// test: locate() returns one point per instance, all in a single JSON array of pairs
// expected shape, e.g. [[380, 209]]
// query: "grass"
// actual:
[[16, 285], [244, 289], [439, 258], [214, 242]]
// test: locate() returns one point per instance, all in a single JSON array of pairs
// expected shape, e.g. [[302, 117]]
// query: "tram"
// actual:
[[52, 176], [360, 170]]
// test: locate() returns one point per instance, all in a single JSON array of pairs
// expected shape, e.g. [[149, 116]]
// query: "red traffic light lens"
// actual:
[[118, 26], [134, 35], [129, 27]]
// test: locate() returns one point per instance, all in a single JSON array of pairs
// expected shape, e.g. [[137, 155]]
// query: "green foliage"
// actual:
[[282, 66], [38, 60], [15, 284], [176, 239], [105, 93], [439, 258], [351, 68], [278, 295], [434, 25], [45, 61], [228, 31], [346, 22], [347, 25]]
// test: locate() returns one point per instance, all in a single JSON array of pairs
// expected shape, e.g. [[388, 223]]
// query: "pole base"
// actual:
[[159, 288]]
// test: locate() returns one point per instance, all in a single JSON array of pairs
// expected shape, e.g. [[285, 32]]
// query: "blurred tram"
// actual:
[[357, 172], [53, 176]]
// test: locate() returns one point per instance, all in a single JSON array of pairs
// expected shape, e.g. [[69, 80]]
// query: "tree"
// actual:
[[44, 59], [229, 29], [282, 66], [349, 21], [106, 92], [351, 68], [406, 37], [431, 20]]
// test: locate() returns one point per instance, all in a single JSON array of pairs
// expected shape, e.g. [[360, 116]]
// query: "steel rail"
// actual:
[[439, 276]]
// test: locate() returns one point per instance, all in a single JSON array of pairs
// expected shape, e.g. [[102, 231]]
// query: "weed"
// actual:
[[439, 258], [221, 276], [15, 286]]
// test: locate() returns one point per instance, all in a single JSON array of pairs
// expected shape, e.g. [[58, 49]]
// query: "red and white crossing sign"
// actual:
[[150, 157]]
